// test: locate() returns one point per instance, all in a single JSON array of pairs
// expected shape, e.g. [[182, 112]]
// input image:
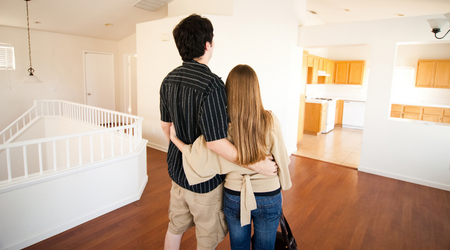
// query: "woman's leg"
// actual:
[[239, 236], [265, 221]]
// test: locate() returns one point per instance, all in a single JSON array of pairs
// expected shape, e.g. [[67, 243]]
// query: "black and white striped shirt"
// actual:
[[194, 100]]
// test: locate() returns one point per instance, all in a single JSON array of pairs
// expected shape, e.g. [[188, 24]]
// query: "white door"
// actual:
[[99, 70]]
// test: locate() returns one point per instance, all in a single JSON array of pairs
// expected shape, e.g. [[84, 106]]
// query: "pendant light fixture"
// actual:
[[30, 78], [437, 23]]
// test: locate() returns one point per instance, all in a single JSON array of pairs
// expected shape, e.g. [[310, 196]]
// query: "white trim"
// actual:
[[40, 178], [157, 146], [405, 178]]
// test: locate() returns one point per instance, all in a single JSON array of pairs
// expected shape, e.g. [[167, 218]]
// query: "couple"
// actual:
[[194, 104]]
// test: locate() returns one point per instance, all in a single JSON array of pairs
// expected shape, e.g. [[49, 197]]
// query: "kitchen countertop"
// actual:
[[340, 98], [315, 101]]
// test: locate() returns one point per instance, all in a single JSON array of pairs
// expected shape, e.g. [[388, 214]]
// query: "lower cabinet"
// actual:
[[422, 113], [315, 118], [339, 112]]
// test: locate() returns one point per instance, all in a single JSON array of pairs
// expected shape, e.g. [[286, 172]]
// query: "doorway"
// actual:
[[99, 78]]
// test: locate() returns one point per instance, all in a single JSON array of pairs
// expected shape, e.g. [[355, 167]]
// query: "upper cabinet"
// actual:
[[433, 74], [316, 64], [336, 72], [341, 72], [349, 72]]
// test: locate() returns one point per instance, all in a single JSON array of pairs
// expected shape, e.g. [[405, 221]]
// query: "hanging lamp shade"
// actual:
[[31, 78]]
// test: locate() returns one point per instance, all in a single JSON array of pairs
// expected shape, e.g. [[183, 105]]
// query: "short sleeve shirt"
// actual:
[[194, 100]]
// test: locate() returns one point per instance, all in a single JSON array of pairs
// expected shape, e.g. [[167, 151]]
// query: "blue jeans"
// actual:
[[265, 221]]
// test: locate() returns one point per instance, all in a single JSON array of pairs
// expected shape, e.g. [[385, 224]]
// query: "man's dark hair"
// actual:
[[191, 35]]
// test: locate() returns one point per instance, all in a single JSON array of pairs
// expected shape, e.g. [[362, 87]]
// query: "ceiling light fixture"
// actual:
[[30, 78], [437, 23]]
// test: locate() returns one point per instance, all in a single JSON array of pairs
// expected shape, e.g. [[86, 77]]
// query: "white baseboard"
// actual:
[[76, 222], [157, 146], [405, 178]]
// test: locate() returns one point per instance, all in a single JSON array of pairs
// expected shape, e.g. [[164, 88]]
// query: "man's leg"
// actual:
[[180, 218], [172, 241], [210, 224]]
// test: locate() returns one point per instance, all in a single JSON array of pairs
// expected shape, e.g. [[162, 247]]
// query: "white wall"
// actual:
[[403, 88], [410, 151], [58, 61], [248, 37], [126, 46]]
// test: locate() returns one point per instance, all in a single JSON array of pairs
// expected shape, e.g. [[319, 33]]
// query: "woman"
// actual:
[[248, 196]]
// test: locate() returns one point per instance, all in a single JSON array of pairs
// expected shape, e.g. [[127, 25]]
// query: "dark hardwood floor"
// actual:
[[328, 207]]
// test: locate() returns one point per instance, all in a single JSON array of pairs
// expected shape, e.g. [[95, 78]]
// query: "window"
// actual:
[[7, 57]]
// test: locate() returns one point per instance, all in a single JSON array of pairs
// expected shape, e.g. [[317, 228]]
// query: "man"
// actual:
[[194, 100]]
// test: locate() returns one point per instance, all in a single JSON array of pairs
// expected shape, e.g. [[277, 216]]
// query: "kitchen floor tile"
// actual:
[[340, 146]]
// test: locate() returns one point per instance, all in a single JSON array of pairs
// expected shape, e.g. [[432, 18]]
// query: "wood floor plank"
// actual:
[[328, 207]]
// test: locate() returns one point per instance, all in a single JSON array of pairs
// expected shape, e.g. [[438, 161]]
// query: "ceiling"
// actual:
[[79, 17], [88, 17], [340, 11]]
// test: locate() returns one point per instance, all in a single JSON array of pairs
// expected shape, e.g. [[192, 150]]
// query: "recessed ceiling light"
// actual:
[[346, 9], [312, 11], [109, 24], [400, 15]]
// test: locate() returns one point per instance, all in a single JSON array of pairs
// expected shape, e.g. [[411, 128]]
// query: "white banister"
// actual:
[[122, 128]]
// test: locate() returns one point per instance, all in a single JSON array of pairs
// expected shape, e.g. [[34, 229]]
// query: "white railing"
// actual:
[[110, 134]]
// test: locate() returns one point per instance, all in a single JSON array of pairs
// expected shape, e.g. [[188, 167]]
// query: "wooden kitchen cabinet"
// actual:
[[315, 69], [321, 62], [412, 112], [341, 72], [339, 112], [349, 72], [316, 63], [396, 111], [423, 113], [356, 73], [442, 76], [330, 71], [315, 118], [432, 114], [433, 74], [446, 118]]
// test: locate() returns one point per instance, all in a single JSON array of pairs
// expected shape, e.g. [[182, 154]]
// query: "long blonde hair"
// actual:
[[250, 122]]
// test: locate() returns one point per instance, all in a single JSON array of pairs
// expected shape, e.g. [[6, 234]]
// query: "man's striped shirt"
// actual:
[[194, 100]]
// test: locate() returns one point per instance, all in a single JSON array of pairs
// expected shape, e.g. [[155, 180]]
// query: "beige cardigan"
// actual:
[[201, 164]]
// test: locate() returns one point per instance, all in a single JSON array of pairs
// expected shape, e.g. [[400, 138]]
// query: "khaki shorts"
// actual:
[[187, 209]]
